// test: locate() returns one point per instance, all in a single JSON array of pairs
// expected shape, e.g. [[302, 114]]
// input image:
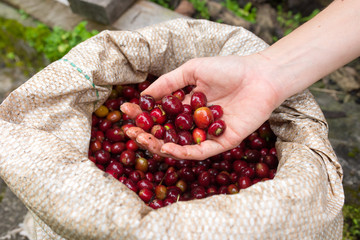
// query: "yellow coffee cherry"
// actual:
[[102, 111]]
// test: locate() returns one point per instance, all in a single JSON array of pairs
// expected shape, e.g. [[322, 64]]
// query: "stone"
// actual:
[[12, 212], [344, 135], [305, 7], [266, 26], [347, 78], [217, 11], [144, 13], [53, 13], [102, 11], [185, 8]]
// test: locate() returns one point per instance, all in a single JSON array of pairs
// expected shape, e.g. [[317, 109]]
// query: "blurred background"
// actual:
[[34, 33]]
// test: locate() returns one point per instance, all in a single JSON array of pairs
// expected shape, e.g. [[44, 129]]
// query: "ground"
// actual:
[[339, 102]]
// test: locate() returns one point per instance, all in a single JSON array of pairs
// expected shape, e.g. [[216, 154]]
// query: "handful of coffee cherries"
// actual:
[[161, 181]]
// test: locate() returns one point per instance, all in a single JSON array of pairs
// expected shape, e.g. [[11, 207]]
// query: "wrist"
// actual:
[[274, 74]]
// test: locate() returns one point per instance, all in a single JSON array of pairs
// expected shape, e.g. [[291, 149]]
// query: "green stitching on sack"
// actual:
[[86, 76]]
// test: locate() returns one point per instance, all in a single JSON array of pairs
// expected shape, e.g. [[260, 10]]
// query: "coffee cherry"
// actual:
[[188, 89], [252, 155], [146, 194], [135, 176], [170, 161], [233, 177], [226, 165], [217, 128], [115, 168], [127, 158], [158, 131], [248, 172], [102, 111], [144, 183], [114, 116], [172, 105], [158, 115], [232, 189], [258, 143], [185, 138], [149, 176], [171, 179], [144, 121], [198, 192], [173, 192], [115, 134], [156, 203], [239, 165], [244, 182], [146, 102], [143, 85], [168, 201], [105, 125], [95, 146], [198, 99], [265, 131], [160, 192], [181, 184], [106, 145], [171, 136], [187, 174], [141, 164], [217, 111], [184, 163], [223, 189], [272, 173], [132, 145], [187, 109], [272, 151], [199, 135], [128, 92], [271, 161], [118, 147], [223, 179], [203, 117], [237, 153], [158, 177], [204, 179], [180, 94], [212, 191], [102, 157], [262, 170], [184, 121], [131, 185]]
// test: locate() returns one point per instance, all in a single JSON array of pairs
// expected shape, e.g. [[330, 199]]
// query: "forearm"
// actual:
[[320, 46]]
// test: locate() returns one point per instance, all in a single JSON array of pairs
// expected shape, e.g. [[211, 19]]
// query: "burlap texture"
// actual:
[[45, 132]]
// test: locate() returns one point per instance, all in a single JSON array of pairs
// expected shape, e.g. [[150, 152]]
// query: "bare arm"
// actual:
[[328, 41], [315, 49]]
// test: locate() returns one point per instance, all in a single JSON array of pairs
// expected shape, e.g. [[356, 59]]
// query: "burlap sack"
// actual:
[[45, 132]]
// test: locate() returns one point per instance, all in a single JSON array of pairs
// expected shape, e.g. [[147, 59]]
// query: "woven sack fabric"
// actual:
[[44, 138]]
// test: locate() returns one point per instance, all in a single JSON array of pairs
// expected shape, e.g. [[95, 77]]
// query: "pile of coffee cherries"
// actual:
[[160, 181], [184, 124]]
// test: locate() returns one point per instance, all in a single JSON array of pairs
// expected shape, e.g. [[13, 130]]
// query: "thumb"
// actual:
[[172, 81]]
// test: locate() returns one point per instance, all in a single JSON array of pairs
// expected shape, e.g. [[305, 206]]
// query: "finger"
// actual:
[[131, 109], [151, 143], [133, 132], [172, 81], [187, 99], [200, 151]]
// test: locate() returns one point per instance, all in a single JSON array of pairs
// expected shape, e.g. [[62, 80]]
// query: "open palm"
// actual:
[[233, 82]]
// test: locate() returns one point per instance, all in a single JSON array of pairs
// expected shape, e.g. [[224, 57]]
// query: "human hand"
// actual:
[[238, 84]]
